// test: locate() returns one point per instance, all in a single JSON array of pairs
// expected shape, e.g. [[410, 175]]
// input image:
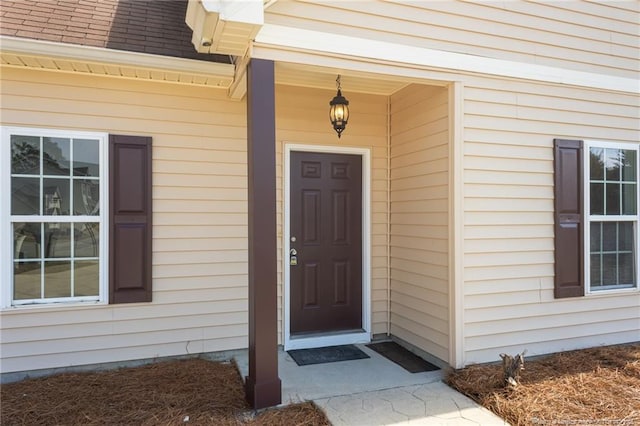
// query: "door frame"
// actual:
[[338, 338]]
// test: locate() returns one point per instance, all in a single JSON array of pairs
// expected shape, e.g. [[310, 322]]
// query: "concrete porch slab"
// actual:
[[375, 391]]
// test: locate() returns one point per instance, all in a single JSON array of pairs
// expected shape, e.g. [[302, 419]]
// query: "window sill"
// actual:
[[51, 307], [612, 292]]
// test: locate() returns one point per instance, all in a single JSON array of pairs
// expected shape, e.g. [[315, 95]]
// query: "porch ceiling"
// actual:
[[325, 78]]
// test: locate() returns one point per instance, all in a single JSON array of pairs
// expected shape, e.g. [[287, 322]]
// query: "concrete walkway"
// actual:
[[376, 391]]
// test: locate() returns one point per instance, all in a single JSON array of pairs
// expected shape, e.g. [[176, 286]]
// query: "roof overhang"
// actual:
[[224, 26], [46, 55]]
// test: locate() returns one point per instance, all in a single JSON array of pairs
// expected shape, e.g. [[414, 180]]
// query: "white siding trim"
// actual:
[[340, 339], [372, 50], [456, 225]]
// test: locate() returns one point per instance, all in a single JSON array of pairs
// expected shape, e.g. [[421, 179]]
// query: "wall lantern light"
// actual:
[[339, 112]]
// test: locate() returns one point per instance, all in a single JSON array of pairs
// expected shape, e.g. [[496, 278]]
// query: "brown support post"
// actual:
[[262, 386]]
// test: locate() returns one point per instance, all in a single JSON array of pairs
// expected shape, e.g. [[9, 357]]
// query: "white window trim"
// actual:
[[588, 144], [6, 239]]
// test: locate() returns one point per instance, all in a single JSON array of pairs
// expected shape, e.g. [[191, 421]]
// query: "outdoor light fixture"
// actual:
[[339, 112]]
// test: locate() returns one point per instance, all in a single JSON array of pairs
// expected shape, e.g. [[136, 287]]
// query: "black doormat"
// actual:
[[401, 356], [326, 354]]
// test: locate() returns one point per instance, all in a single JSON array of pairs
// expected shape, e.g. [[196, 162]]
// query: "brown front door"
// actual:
[[326, 242]]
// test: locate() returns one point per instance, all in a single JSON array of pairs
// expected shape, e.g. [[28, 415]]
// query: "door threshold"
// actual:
[[318, 340], [297, 336]]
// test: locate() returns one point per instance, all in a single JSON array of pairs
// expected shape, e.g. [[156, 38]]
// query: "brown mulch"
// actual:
[[185, 392], [598, 386]]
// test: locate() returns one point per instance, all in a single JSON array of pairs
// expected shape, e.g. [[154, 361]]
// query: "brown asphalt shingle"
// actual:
[[146, 26]]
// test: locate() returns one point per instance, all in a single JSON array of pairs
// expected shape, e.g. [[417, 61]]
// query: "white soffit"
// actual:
[[291, 39], [224, 26], [323, 78], [37, 54]]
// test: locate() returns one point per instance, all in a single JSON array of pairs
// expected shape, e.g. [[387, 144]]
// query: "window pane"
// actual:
[[597, 198], [596, 163], [596, 268], [626, 232], [596, 236], [26, 280], [609, 269], [613, 164], [629, 202], [57, 240], [609, 236], [25, 155], [613, 199], [86, 278], [55, 197], [25, 193], [87, 239], [86, 197], [629, 172], [26, 240], [627, 269], [86, 157], [56, 156], [57, 279]]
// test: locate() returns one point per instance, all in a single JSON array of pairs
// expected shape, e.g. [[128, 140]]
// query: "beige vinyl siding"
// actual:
[[199, 221], [509, 128], [595, 37], [302, 117], [419, 218]]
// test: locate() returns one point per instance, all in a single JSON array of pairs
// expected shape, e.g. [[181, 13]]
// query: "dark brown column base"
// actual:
[[263, 394]]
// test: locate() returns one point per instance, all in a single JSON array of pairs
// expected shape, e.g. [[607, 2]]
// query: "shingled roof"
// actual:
[[154, 27]]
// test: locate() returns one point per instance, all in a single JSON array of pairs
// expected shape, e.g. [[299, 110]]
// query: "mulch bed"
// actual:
[[591, 386], [193, 391]]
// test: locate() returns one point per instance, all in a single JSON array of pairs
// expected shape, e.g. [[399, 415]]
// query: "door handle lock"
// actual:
[[293, 258], [293, 252]]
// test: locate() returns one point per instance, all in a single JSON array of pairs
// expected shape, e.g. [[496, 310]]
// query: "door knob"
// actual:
[[292, 252]]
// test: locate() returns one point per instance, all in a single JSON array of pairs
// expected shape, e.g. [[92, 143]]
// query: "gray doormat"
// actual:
[[326, 354], [403, 357]]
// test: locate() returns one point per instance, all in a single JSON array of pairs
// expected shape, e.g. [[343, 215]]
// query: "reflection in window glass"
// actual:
[[57, 240], [56, 156], [86, 157], [86, 237], [612, 255], [26, 240], [86, 197], [25, 196], [56, 197], [57, 279], [26, 280], [25, 155], [86, 275]]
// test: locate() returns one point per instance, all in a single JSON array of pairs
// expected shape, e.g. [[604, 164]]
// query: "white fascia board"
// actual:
[[99, 55], [284, 37], [244, 11]]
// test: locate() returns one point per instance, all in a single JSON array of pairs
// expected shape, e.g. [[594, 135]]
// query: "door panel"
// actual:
[[326, 231]]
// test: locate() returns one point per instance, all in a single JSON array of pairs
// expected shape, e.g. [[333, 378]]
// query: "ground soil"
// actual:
[[185, 392], [599, 386]]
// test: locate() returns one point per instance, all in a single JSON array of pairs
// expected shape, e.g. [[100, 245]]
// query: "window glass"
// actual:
[[26, 280], [57, 279], [25, 196], [86, 197], [86, 157], [56, 157], [25, 155], [56, 200]]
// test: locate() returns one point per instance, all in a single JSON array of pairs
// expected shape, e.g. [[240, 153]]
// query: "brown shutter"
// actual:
[[129, 219], [569, 219]]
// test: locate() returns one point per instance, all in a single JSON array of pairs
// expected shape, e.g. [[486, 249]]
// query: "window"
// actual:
[[57, 216], [596, 217], [77, 208], [611, 206]]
